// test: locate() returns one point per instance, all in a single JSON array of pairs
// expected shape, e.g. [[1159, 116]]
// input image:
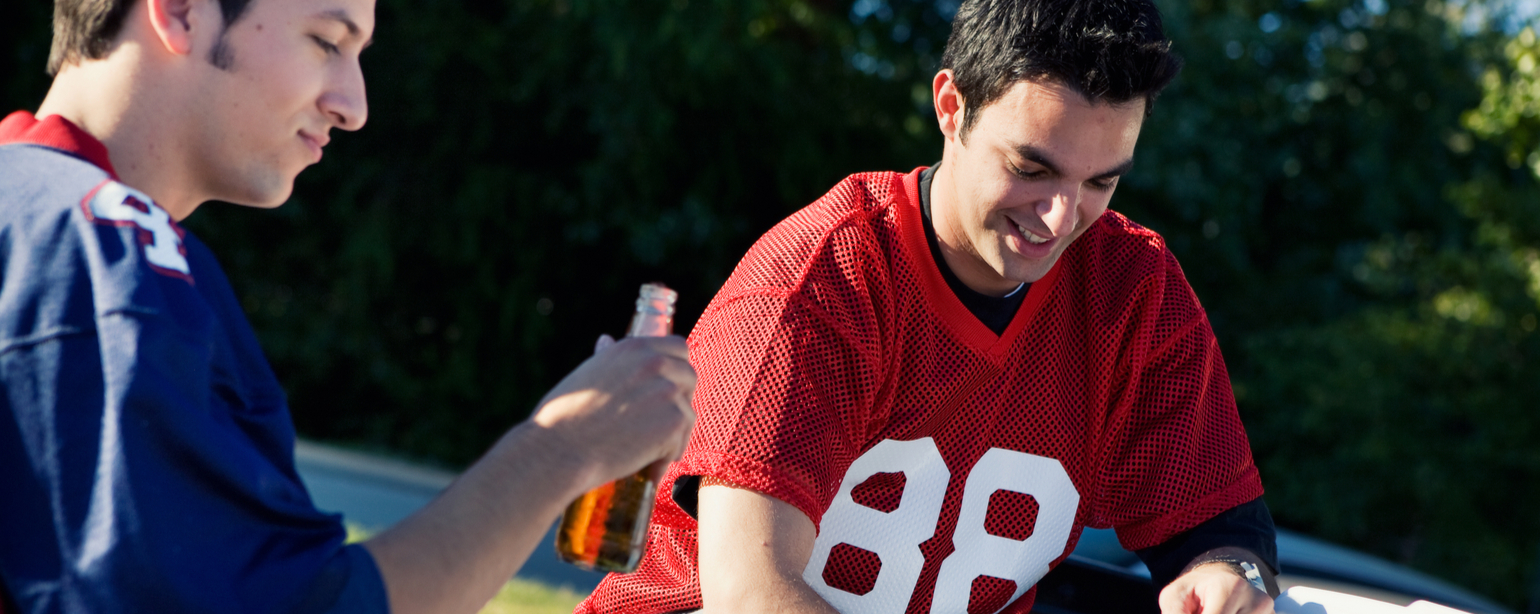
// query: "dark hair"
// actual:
[[84, 29], [1107, 50]]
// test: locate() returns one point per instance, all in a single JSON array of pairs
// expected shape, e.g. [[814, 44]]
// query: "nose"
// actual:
[[1060, 211], [345, 103]]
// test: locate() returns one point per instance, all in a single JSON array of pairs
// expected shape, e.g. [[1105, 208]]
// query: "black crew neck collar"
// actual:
[[996, 312]]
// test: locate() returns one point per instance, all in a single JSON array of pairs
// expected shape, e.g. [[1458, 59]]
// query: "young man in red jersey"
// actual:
[[917, 391], [146, 451]]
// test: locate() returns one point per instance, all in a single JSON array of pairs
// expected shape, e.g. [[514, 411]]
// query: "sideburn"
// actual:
[[222, 56]]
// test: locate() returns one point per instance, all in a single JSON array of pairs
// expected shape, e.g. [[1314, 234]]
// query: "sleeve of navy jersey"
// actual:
[[146, 453]]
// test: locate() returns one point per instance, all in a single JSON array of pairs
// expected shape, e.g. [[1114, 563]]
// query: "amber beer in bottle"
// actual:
[[606, 528]]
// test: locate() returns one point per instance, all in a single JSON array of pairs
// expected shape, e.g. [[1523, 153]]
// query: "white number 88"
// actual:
[[895, 536]]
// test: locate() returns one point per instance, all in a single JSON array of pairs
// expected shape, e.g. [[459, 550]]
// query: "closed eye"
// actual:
[[1104, 184], [325, 45], [1038, 174]]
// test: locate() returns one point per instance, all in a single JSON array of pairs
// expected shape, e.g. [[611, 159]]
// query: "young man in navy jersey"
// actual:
[[146, 450]]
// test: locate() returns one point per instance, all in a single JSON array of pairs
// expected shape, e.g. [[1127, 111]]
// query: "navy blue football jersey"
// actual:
[[146, 449]]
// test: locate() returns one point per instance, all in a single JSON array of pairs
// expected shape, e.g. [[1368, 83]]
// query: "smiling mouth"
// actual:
[[315, 145], [1030, 236]]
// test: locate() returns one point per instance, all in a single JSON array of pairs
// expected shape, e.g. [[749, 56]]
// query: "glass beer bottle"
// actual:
[[606, 528]]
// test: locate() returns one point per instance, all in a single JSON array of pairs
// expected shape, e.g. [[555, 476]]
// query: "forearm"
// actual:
[[615, 414], [775, 593], [1207, 566], [455, 553], [1248, 526]]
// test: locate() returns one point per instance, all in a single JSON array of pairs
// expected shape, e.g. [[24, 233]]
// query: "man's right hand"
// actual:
[[623, 408], [620, 410]]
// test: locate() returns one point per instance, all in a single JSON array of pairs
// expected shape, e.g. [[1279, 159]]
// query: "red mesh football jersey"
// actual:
[[947, 469]]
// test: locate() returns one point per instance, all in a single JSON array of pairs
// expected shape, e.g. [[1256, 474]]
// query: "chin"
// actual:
[[264, 197], [1029, 273], [264, 201]]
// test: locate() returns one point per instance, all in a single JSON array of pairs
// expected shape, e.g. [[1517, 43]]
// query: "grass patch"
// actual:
[[529, 597], [518, 596]]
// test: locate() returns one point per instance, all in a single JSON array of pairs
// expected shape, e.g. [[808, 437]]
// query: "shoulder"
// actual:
[[36, 181], [830, 257], [1121, 264], [826, 267], [74, 243], [45, 283], [1118, 247], [1114, 237], [837, 226]]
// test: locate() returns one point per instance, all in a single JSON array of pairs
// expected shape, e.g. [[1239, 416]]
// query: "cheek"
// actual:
[[281, 76], [287, 86], [1003, 191]]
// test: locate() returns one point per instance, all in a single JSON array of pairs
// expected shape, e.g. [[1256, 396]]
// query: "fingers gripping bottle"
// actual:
[[606, 528]]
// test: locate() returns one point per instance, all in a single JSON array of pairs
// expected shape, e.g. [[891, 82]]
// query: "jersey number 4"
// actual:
[[895, 536], [119, 205]]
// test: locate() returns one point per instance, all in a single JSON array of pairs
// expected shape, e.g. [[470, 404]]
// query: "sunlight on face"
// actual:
[[1035, 171], [292, 75]]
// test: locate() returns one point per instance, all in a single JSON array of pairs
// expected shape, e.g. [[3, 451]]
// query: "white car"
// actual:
[[1101, 577]]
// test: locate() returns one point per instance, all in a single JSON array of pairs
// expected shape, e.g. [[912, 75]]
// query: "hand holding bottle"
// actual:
[[606, 527], [625, 407]]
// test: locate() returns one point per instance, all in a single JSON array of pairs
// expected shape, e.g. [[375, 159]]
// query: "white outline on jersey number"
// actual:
[[896, 536], [159, 237]]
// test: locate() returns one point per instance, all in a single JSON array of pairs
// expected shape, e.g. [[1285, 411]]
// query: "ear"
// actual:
[[172, 21], [948, 102]]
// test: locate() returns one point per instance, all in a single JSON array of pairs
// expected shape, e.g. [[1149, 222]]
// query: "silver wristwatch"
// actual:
[[1253, 575]]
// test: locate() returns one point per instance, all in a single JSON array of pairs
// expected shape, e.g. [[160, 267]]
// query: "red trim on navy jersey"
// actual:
[[55, 132]]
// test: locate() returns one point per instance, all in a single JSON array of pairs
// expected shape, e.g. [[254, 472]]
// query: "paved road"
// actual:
[[375, 492]]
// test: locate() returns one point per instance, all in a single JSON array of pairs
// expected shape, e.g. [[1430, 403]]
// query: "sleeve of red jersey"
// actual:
[[1174, 452], [787, 380]]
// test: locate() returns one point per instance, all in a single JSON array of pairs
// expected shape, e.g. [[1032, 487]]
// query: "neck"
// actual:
[[119, 103], [965, 262]]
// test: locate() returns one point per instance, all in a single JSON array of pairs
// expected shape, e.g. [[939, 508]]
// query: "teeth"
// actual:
[[1031, 238]]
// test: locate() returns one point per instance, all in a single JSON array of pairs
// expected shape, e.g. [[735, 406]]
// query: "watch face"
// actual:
[[1253, 575]]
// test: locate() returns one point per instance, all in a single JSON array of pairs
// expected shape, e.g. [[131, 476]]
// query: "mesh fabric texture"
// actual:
[[836, 332]]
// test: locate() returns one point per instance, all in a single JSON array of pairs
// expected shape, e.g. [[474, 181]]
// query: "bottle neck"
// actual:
[[648, 323]]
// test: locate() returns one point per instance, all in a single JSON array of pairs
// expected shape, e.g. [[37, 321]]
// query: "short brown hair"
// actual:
[[85, 29]]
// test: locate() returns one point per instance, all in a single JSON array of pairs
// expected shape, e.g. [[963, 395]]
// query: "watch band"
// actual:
[[1243, 568]]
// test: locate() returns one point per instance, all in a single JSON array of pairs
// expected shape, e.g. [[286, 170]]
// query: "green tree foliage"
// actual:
[[527, 165], [1407, 426], [1350, 183], [24, 36], [1510, 108]]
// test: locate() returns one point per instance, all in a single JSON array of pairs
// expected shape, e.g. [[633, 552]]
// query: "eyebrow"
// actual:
[[1041, 158], [341, 16]]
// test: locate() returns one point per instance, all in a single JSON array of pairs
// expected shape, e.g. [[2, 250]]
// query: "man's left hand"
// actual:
[[1213, 588]]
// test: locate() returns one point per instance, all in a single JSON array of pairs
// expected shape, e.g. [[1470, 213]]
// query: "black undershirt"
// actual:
[[996, 312], [1248, 525]]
